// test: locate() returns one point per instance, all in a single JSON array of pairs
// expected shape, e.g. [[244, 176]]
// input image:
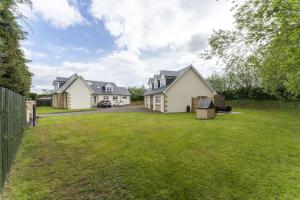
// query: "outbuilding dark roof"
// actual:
[[205, 104]]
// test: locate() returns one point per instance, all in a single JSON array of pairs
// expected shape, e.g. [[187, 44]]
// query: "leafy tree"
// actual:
[[137, 93], [14, 73], [47, 92], [33, 96], [218, 82], [266, 41]]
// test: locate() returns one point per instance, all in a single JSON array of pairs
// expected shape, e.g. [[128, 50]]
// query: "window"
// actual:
[[157, 99], [60, 84], [105, 97], [162, 82], [95, 99], [108, 89], [115, 97], [124, 97], [155, 83], [150, 86]]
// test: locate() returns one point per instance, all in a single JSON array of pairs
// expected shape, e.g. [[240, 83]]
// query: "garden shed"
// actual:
[[205, 109]]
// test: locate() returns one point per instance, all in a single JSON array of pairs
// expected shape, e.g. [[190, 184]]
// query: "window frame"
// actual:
[[157, 99]]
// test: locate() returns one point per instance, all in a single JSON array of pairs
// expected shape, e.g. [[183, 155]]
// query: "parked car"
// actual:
[[104, 104], [118, 104]]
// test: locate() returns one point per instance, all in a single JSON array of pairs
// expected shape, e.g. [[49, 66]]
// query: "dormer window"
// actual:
[[58, 85], [108, 88], [150, 83], [162, 80], [155, 83]]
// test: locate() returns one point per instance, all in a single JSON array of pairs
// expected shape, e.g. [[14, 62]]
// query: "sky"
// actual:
[[122, 41]]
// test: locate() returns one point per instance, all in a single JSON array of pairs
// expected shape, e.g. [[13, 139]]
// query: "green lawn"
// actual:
[[48, 109], [252, 155]]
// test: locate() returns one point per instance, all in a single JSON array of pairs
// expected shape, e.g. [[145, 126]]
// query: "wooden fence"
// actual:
[[12, 125]]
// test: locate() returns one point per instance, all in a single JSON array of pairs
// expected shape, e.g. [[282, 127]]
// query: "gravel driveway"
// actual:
[[135, 108]]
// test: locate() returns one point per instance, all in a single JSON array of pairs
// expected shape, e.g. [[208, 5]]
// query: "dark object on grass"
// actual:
[[221, 109], [228, 109], [188, 108]]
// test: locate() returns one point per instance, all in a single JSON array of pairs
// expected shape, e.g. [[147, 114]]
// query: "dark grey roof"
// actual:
[[169, 73], [156, 76], [205, 104], [156, 90], [98, 87], [61, 79], [174, 74]]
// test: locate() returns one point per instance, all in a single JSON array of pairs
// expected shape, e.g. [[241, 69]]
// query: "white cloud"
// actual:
[[120, 67], [125, 68], [150, 36], [31, 55], [74, 48], [59, 13], [143, 25]]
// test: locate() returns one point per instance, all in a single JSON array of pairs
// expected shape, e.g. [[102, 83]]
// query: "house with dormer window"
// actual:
[[172, 91], [77, 93]]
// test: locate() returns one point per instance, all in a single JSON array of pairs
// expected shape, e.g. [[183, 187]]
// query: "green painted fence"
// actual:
[[12, 125]]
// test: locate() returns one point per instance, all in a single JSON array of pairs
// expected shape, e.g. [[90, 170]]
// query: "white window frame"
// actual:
[[115, 99], [155, 83], [105, 97], [109, 89], [157, 99], [162, 80], [124, 97]]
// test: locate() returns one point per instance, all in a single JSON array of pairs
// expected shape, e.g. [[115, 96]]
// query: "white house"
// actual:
[[172, 91], [76, 93]]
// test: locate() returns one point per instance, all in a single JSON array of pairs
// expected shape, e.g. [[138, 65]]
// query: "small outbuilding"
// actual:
[[205, 109]]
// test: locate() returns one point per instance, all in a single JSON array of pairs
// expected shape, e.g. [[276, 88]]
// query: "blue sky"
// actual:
[[124, 41]]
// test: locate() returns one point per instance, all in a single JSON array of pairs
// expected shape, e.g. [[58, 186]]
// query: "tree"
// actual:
[[47, 92], [265, 41], [14, 73], [137, 93], [33, 96]]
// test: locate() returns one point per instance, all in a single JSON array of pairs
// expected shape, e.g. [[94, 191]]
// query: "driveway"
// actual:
[[135, 108]]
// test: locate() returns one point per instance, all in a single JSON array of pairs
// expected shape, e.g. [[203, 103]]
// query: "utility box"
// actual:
[[205, 109]]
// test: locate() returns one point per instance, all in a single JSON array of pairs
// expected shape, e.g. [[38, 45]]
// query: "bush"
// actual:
[[33, 96]]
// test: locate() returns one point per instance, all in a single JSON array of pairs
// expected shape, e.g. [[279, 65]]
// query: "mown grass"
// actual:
[[251, 155], [271, 105], [48, 109]]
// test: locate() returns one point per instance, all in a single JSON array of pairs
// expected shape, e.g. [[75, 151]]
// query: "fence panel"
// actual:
[[12, 124]]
